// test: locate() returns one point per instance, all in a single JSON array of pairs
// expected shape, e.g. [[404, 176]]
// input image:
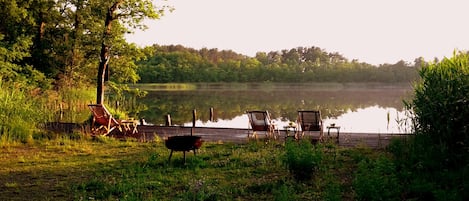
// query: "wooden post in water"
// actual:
[[194, 117], [168, 120], [61, 116], [211, 114]]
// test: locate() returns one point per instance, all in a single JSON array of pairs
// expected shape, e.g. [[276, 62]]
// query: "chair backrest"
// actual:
[[102, 115], [309, 120], [259, 120]]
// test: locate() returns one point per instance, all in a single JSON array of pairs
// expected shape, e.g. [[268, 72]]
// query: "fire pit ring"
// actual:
[[183, 143]]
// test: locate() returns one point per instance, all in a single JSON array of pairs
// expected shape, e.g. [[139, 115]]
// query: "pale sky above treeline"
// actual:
[[372, 31]]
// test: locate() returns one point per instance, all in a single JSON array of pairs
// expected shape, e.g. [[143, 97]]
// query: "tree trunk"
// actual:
[[105, 52], [104, 55]]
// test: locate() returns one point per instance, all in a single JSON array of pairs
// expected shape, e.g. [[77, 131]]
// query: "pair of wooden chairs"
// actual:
[[308, 120]]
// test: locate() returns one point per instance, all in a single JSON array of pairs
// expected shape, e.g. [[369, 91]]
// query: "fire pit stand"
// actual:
[[183, 143]]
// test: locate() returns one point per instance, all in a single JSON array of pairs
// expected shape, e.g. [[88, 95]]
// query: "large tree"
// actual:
[[67, 39], [130, 13], [15, 41]]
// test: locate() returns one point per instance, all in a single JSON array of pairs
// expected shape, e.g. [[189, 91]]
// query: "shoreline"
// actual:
[[148, 133]]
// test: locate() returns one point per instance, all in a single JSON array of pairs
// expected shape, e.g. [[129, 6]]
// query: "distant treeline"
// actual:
[[175, 63]]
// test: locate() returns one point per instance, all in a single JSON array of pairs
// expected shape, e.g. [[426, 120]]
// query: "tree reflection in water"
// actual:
[[356, 108]]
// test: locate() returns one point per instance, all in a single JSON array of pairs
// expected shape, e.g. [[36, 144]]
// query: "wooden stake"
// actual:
[[168, 120]]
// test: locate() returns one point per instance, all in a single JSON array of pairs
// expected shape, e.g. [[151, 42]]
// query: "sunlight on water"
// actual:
[[368, 120], [372, 120]]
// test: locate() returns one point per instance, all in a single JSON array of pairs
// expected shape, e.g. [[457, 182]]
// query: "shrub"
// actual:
[[441, 107], [432, 163], [302, 159]]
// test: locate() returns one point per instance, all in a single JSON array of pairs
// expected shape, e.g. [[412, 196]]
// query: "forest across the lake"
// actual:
[[176, 63]]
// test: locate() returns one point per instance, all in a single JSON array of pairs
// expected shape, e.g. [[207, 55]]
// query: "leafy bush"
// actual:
[[432, 164], [441, 107], [302, 159]]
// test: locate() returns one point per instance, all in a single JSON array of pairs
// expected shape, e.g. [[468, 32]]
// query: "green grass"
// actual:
[[108, 169], [20, 112]]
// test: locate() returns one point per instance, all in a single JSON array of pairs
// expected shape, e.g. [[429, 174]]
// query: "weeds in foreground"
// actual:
[[302, 159], [377, 180], [107, 169]]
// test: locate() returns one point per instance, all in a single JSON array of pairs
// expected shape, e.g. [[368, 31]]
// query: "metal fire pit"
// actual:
[[183, 143]]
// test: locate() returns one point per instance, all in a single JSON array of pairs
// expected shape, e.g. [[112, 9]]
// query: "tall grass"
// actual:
[[441, 107], [69, 104], [24, 109], [434, 163], [20, 113]]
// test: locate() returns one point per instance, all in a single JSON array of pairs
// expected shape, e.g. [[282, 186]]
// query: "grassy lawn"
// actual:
[[107, 169]]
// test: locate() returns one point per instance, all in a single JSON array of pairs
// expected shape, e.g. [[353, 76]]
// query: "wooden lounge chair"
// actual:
[[310, 120], [260, 121], [104, 123]]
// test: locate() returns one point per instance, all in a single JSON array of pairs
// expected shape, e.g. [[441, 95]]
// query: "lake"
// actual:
[[356, 108]]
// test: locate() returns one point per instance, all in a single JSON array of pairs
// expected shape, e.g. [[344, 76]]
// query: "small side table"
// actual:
[[337, 128], [288, 128], [130, 126]]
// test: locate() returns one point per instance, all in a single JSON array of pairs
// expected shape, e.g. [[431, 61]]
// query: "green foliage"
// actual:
[[377, 180], [20, 114], [422, 173], [15, 46], [126, 97], [440, 107], [60, 40], [333, 189], [302, 159], [432, 164], [180, 64], [285, 192]]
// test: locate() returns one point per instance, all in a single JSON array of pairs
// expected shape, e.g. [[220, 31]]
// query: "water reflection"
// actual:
[[372, 119], [377, 109]]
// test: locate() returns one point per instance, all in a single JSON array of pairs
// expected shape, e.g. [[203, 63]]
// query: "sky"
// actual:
[[371, 31]]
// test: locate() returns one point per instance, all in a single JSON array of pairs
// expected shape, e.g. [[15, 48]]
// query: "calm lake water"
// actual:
[[356, 108]]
